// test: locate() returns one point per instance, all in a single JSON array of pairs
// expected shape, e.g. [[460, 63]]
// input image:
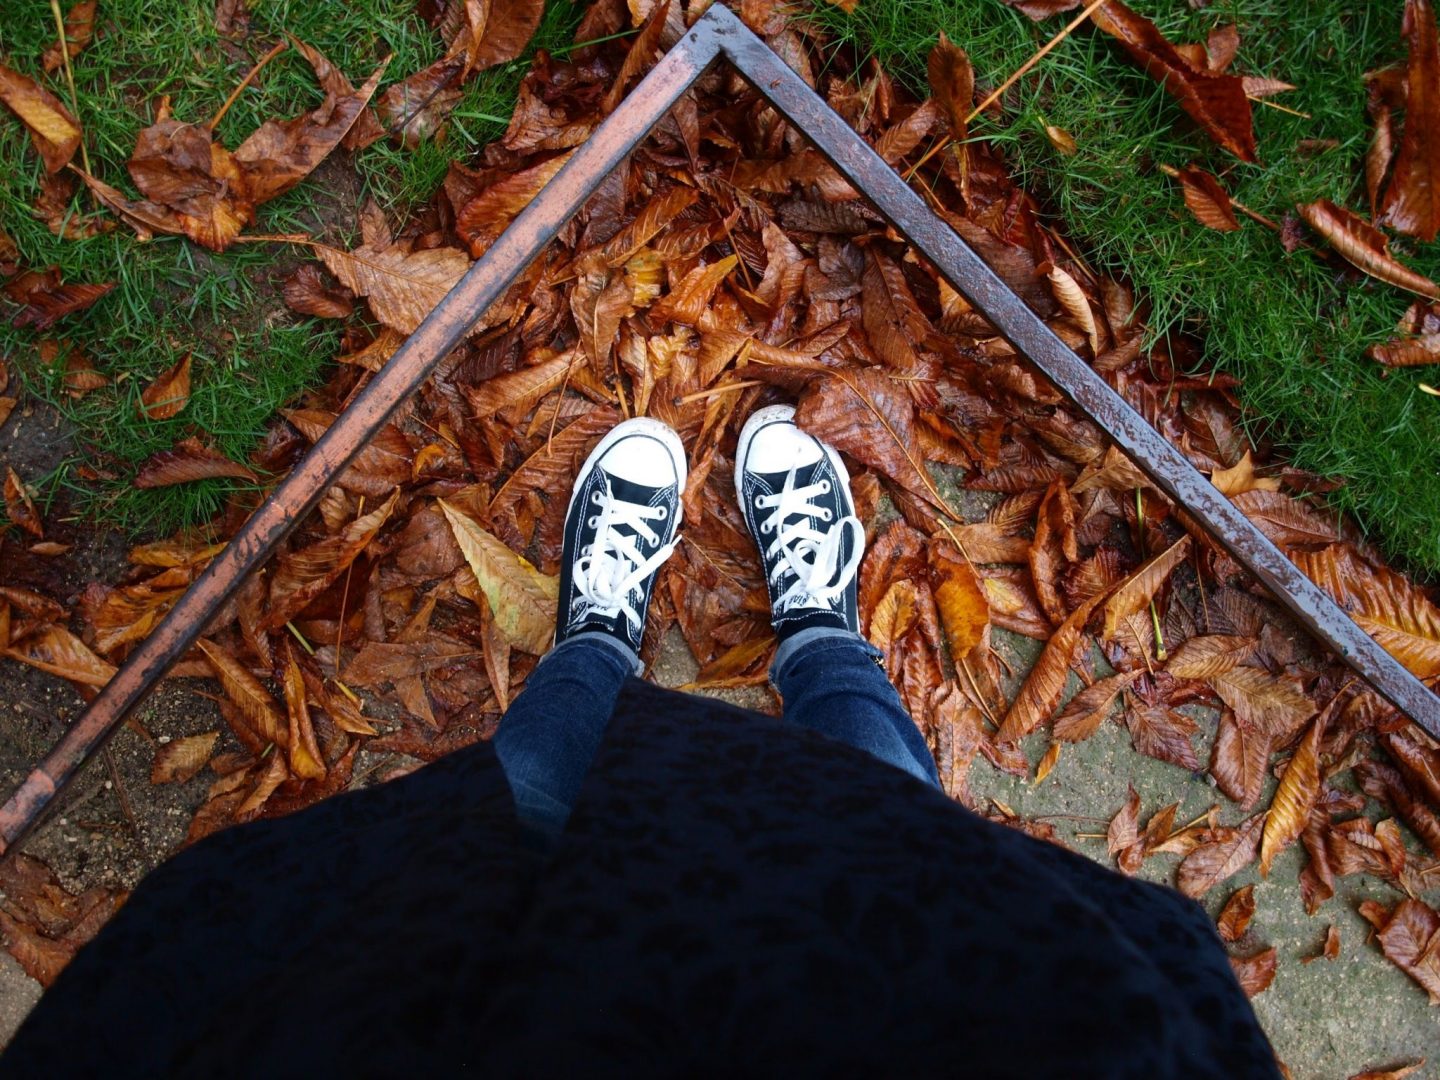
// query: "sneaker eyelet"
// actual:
[[759, 502], [592, 521], [664, 512], [595, 497], [765, 527], [825, 489], [825, 514]]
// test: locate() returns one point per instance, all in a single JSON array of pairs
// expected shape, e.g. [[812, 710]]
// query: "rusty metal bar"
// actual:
[[483, 284], [717, 32], [1165, 465]]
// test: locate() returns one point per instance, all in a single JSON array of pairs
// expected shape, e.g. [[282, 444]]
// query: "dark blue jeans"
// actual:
[[829, 681]]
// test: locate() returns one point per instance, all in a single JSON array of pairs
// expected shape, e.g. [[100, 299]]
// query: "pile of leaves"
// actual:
[[722, 267]]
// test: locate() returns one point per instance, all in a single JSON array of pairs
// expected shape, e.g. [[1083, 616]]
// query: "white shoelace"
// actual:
[[612, 566], [821, 579]]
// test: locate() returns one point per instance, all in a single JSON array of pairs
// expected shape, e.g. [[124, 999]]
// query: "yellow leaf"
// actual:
[[521, 597], [1290, 809]]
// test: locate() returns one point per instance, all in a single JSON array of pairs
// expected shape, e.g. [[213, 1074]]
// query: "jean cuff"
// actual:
[[814, 638], [626, 655]]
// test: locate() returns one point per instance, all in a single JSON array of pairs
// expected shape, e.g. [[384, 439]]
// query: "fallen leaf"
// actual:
[[1164, 734], [55, 133], [186, 461], [481, 220], [402, 287], [1207, 200], [1048, 761], [1216, 101], [522, 598], [1046, 682], [301, 576], [79, 29], [19, 507], [306, 762], [416, 107], [1122, 836], [1364, 247], [1212, 862], [1209, 655], [253, 702], [1330, 949], [1408, 937], [380, 662], [1298, 790], [1255, 973], [44, 299], [1234, 918], [1397, 1073], [56, 650], [1088, 709], [180, 759], [180, 168], [1273, 704], [1412, 201], [952, 84], [309, 292], [1140, 587], [169, 393]]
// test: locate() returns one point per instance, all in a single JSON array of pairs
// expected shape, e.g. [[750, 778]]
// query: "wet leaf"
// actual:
[[1140, 587], [402, 287], [1298, 790], [189, 460], [1407, 934], [180, 168], [56, 650], [1418, 342], [1412, 201], [1216, 101], [44, 298], [1397, 1073], [1364, 247], [1255, 973], [952, 84], [180, 759], [1122, 837], [253, 702], [1239, 759], [1212, 862], [416, 107], [79, 29], [1234, 918], [55, 133], [1207, 200], [303, 575], [1045, 684], [481, 220], [310, 292], [306, 761], [522, 598], [381, 662], [1209, 655], [1072, 298], [1088, 709], [1162, 733], [19, 507], [1273, 704], [169, 393], [280, 153]]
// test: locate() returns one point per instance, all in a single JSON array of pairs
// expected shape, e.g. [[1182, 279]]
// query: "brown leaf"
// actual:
[[506, 27], [1141, 586], [1418, 342], [1330, 949], [1072, 298], [310, 292], [301, 576], [53, 206], [952, 83], [1417, 759], [1088, 709], [402, 287], [1239, 758], [1210, 654], [79, 29], [253, 702], [1387, 606], [964, 609], [1039, 10], [1412, 201], [1408, 936], [44, 299], [1364, 247], [1397, 1073], [1122, 837], [384, 462], [180, 759], [1255, 973], [1046, 682], [188, 460], [1241, 478], [1234, 918], [306, 761], [1214, 861], [1164, 734], [59, 652], [1206, 199], [1216, 101], [522, 598], [19, 507], [870, 417], [182, 169], [1273, 704], [519, 389], [55, 133], [381, 662], [481, 220], [280, 153], [366, 128], [169, 393], [1298, 790], [416, 107]]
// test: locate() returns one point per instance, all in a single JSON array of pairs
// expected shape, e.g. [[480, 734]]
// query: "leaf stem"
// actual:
[[234, 94]]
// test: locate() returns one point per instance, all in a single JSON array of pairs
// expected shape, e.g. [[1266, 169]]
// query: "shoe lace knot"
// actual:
[[809, 554], [612, 568]]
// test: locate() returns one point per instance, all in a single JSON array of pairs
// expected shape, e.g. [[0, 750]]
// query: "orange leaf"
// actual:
[[1364, 247], [1255, 973], [19, 507], [1235, 916], [188, 460], [180, 759], [1206, 199], [1412, 201], [54, 131], [1298, 790], [1211, 863], [303, 575], [1046, 682], [254, 703]]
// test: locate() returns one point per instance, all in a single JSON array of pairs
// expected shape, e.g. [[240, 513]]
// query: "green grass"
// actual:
[[251, 354], [1287, 325]]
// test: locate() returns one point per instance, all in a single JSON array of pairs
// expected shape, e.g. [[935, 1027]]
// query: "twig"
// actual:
[[276, 51], [701, 395], [274, 238], [120, 792], [345, 596], [70, 78], [1276, 105]]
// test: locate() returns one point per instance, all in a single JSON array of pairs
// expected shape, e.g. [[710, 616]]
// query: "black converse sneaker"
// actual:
[[795, 494], [622, 525]]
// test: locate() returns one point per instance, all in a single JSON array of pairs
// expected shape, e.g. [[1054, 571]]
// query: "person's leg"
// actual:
[[832, 682], [794, 492], [621, 525]]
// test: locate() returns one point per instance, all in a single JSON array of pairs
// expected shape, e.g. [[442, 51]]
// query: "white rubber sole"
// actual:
[[640, 425], [780, 414]]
